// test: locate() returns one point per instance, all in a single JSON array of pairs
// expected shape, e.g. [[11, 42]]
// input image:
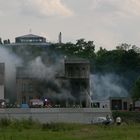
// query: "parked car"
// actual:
[[102, 120], [36, 103]]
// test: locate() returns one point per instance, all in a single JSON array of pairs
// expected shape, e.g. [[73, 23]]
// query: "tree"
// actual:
[[136, 49], [85, 48], [135, 93], [101, 52], [123, 46], [0, 41]]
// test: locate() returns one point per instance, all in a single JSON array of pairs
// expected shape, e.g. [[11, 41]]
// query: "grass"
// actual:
[[33, 130]]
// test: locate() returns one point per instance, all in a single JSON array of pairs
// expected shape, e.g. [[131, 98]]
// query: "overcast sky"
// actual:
[[106, 22]]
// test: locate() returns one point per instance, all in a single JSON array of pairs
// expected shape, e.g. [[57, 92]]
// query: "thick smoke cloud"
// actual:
[[48, 75], [108, 85], [11, 62], [51, 74], [102, 86], [51, 84], [36, 68]]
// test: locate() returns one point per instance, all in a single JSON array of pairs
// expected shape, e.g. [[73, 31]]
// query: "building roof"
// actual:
[[30, 36], [120, 97], [76, 60]]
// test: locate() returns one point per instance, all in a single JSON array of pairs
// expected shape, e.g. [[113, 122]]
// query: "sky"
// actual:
[[106, 22]]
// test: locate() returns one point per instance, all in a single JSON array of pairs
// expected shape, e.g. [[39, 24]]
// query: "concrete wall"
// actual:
[[67, 115]]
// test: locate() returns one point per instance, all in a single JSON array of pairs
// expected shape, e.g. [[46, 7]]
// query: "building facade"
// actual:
[[28, 40], [77, 71], [25, 87], [120, 103]]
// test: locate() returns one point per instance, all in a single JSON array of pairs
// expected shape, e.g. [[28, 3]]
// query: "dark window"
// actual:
[[125, 105], [23, 87], [23, 100], [30, 88]]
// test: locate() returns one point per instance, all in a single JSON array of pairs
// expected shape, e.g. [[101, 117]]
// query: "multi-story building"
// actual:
[[28, 40], [77, 71], [25, 86]]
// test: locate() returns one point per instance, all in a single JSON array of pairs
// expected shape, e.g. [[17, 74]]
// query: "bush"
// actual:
[[128, 116], [5, 122], [29, 123], [57, 126], [19, 124]]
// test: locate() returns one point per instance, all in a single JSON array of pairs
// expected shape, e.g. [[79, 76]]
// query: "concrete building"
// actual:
[[77, 71], [29, 40], [25, 86], [2, 79], [137, 105], [120, 103], [102, 104]]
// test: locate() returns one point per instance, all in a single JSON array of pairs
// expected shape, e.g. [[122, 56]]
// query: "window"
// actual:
[[30, 88], [26, 87], [70, 71], [23, 87]]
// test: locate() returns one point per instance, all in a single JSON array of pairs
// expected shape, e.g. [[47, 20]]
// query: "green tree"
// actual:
[[81, 48], [135, 93], [123, 46], [85, 48], [136, 49]]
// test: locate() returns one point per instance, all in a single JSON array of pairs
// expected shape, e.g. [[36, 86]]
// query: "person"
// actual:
[[118, 120], [108, 120], [107, 117]]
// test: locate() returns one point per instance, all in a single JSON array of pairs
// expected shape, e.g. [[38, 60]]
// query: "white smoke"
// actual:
[[105, 86], [11, 61], [48, 73], [36, 68]]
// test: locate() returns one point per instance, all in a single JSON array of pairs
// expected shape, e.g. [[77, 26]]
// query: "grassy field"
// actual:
[[35, 131]]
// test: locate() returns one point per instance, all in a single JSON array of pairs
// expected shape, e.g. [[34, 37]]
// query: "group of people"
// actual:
[[118, 120]]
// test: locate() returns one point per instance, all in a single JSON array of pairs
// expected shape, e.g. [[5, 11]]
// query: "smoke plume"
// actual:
[[105, 86], [49, 74], [11, 61], [36, 68]]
